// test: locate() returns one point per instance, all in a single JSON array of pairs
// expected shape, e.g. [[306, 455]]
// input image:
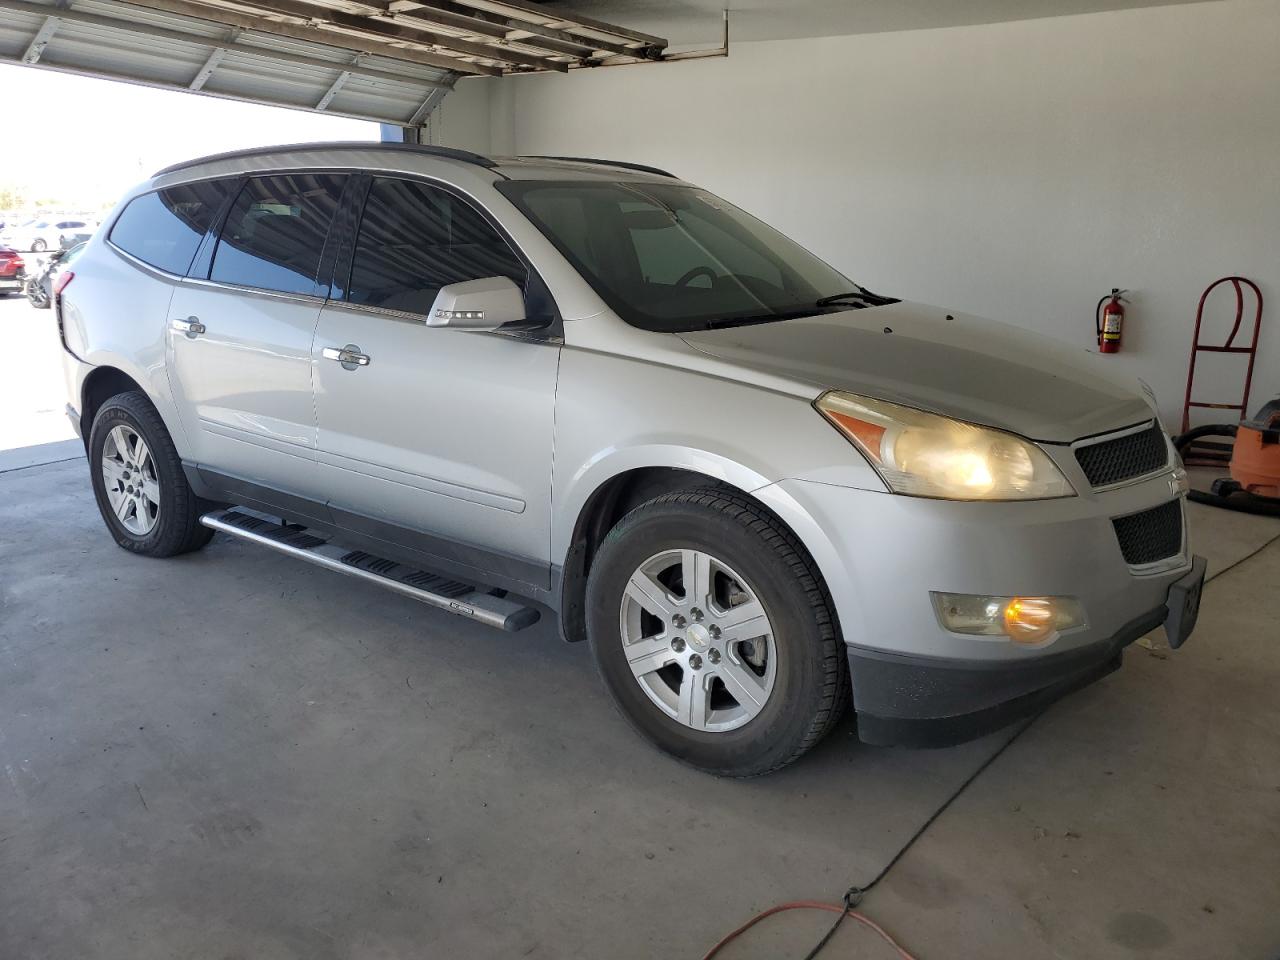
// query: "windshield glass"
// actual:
[[673, 257]]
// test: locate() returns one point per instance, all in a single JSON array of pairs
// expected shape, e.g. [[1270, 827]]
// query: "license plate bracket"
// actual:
[[1184, 604]]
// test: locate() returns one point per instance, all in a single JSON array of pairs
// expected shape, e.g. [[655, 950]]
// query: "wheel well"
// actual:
[[617, 497], [99, 387]]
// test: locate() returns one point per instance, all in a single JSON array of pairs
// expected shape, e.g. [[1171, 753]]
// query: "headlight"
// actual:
[[925, 455]]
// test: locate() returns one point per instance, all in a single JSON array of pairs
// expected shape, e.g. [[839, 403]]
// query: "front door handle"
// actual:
[[191, 326], [349, 356]]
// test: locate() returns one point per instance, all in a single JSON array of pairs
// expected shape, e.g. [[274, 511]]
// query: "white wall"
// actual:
[[1017, 170]]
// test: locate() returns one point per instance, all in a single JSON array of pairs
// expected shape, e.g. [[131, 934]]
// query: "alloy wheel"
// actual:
[[698, 640], [129, 474]]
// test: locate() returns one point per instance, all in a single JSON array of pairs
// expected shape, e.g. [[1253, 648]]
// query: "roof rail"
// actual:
[[643, 168], [448, 153]]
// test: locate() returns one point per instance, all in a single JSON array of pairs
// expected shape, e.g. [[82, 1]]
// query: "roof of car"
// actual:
[[514, 168]]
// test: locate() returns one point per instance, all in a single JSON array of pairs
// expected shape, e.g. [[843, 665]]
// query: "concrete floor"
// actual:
[[234, 755]]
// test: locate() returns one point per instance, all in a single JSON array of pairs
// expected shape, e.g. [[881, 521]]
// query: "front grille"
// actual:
[[1151, 535], [1114, 461]]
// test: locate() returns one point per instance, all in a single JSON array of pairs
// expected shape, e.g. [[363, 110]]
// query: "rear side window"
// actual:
[[164, 228], [414, 239], [275, 232]]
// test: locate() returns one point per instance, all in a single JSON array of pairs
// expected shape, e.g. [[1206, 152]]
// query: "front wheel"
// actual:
[[142, 493], [39, 246], [714, 634]]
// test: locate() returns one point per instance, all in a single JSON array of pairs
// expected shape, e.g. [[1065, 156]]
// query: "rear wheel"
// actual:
[[39, 246], [714, 634], [142, 493], [36, 294]]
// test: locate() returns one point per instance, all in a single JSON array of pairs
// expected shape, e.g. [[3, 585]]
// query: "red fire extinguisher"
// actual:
[[1109, 320]]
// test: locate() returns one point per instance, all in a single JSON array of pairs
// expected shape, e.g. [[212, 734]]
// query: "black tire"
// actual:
[[39, 246], [177, 526], [811, 689]]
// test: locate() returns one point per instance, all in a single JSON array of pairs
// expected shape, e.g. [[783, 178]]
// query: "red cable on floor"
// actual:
[[810, 905]]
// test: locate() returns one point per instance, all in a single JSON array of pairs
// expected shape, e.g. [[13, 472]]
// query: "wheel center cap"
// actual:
[[698, 636]]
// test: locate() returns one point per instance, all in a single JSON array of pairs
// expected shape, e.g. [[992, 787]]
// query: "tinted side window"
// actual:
[[414, 239], [164, 228], [275, 232]]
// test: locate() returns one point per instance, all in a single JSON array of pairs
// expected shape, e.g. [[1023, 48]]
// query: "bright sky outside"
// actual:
[[83, 141]]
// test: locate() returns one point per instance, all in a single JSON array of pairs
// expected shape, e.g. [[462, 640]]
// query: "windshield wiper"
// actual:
[[862, 293]]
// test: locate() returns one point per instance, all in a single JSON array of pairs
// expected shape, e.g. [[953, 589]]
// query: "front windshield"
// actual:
[[673, 257]]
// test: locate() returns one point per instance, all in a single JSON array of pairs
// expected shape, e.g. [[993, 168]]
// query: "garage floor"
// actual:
[[235, 755]]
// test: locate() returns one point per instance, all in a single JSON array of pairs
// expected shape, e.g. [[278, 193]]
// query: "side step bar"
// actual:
[[429, 588]]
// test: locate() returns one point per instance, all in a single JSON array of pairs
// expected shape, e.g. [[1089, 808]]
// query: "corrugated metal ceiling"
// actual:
[[384, 60]]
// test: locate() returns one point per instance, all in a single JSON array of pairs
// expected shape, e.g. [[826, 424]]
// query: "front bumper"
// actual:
[[882, 554], [928, 702]]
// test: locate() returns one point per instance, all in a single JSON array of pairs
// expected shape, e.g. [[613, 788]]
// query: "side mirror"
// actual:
[[484, 304]]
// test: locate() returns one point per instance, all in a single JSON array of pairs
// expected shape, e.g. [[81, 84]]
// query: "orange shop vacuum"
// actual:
[[1253, 461]]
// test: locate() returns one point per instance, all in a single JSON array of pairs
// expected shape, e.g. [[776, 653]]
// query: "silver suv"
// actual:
[[758, 490]]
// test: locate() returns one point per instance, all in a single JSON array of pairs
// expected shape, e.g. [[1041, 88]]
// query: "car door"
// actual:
[[442, 440], [241, 328]]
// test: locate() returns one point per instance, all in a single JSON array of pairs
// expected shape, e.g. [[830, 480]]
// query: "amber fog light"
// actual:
[[1028, 620]]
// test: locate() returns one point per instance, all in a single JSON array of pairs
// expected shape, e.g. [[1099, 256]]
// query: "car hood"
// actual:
[[960, 366]]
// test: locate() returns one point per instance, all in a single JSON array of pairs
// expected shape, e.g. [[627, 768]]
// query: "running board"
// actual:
[[429, 588]]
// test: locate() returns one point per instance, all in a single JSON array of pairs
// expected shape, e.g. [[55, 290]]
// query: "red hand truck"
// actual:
[[1228, 347]]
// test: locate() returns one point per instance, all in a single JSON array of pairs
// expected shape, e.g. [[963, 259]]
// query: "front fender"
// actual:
[[612, 462], [616, 414]]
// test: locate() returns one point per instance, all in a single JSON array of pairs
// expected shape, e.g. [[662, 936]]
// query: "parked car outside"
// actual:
[[12, 271], [41, 282], [13, 232], [74, 236], [758, 490], [49, 234]]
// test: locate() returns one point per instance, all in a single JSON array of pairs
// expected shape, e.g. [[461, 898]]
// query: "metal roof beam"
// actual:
[[211, 64], [420, 115], [467, 24], [338, 83], [573, 23], [493, 25], [382, 27], [100, 74], [204, 10], [35, 49], [75, 16]]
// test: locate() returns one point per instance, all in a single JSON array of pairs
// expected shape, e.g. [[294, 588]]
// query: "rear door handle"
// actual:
[[349, 356], [191, 326]]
